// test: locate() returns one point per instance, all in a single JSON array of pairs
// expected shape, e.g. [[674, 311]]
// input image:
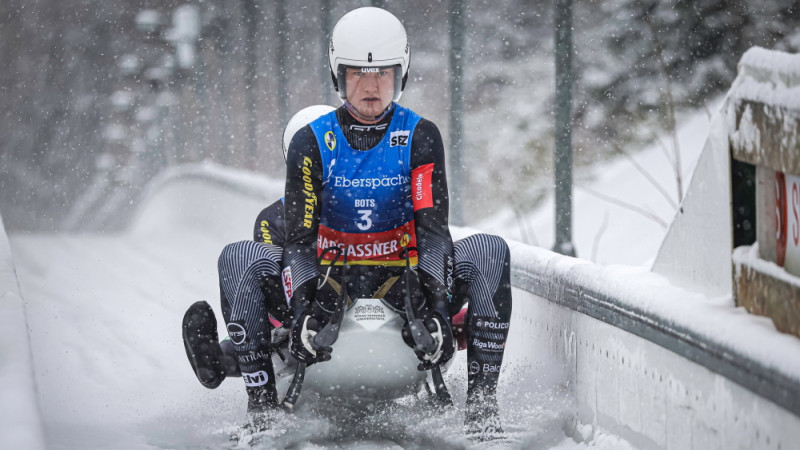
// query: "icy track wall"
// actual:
[[654, 363], [20, 424], [205, 198]]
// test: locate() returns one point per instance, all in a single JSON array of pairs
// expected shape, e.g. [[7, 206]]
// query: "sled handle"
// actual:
[[294, 389], [441, 389], [326, 336], [422, 337]]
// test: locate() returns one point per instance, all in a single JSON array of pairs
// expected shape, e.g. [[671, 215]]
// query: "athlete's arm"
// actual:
[[431, 207], [302, 208], [269, 227]]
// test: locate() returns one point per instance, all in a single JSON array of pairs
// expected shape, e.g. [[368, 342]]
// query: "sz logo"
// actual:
[[399, 138]]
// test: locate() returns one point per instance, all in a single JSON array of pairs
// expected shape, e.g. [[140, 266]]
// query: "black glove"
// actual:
[[302, 347], [442, 334]]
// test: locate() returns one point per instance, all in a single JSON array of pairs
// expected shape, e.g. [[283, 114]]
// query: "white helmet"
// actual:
[[369, 37], [302, 118]]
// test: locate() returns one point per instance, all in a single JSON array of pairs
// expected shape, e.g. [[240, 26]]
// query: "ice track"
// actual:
[[104, 317]]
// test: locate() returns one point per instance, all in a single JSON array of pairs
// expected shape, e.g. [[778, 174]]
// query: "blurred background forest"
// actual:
[[99, 96]]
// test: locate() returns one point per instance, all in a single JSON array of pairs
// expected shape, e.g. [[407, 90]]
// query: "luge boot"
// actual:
[[201, 342]]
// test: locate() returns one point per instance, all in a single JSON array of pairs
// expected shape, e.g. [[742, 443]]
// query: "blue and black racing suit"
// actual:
[[372, 190]]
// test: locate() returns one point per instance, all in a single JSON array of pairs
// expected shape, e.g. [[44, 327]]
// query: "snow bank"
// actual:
[[766, 92], [768, 76], [205, 197], [20, 424]]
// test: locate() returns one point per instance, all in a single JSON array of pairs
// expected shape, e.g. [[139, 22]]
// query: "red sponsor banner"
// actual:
[[421, 186], [381, 248], [288, 290]]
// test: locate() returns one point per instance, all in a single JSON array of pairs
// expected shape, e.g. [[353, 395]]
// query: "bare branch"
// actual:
[[597, 237], [650, 178], [670, 105], [524, 230], [622, 204], [529, 237]]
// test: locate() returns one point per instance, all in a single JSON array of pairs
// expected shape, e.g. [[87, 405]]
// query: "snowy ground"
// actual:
[[104, 317]]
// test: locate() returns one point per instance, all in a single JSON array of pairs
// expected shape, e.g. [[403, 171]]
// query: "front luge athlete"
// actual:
[[369, 179], [250, 292]]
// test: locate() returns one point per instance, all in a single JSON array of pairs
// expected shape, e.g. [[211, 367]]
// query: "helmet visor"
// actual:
[[394, 71]]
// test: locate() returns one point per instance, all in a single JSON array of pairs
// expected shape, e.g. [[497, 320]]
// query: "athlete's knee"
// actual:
[[231, 253], [495, 246], [242, 256]]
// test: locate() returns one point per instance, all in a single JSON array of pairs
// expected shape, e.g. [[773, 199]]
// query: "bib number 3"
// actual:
[[365, 222]]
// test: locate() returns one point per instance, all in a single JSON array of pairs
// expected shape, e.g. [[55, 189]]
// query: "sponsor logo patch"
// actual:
[[364, 251], [421, 186], [399, 138], [251, 357], [259, 378], [286, 276], [373, 183], [330, 140], [488, 345], [474, 367], [308, 190], [265, 235], [490, 324], [365, 128], [237, 333], [491, 368], [369, 312]]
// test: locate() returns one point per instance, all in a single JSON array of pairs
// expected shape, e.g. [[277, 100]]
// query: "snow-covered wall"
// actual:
[[657, 364], [20, 423], [204, 197]]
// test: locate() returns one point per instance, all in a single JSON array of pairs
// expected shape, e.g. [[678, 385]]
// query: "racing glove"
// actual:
[[442, 334], [302, 347]]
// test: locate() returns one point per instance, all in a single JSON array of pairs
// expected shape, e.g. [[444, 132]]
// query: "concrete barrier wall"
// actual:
[[20, 422], [656, 364]]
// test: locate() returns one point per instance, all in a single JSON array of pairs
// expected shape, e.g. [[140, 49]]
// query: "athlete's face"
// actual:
[[370, 90]]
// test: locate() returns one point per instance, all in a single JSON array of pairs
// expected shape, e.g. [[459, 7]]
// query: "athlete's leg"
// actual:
[[482, 270], [246, 270]]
